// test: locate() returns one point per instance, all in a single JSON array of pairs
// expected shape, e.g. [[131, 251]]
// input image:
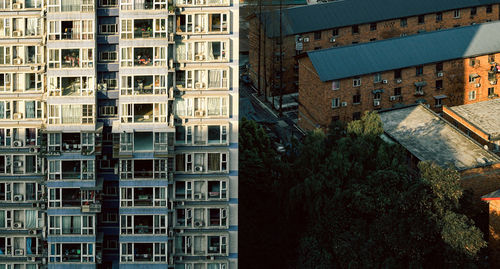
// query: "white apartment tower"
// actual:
[[119, 134]]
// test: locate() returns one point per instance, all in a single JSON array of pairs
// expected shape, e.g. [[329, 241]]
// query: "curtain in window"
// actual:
[[30, 188], [213, 266], [2, 219], [224, 106], [71, 114], [213, 106], [180, 107], [31, 24], [139, 4], [28, 246], [31, 218], [28, 266], [180, 50], [71, 224], [214, 78], [198, 159], [30, 3], [70, 5], [2, 110], [30, 109], [210, 51], [76, 29], [66, 225], [213, 162]]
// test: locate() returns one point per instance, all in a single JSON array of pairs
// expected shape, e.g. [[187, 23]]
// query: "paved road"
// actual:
[[283, 127]]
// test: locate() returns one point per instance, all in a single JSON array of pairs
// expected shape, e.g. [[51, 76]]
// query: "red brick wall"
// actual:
[[494, 233], [385, 29], [315, 96]]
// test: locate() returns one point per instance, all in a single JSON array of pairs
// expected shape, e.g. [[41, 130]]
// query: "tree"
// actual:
[[346, 199]]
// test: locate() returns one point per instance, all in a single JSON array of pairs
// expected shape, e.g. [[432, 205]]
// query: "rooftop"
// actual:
[[430, 138], [341, 13], [483, 115], [390, 54]]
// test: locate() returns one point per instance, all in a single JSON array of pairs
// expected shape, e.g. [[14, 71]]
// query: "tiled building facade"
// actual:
[[334, 32], [119, 134]]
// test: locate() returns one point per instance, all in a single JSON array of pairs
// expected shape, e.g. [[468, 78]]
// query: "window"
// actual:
[[317, 35], [456, 13], [336, 85], [489, 8], [491, 58], [403, 22], [377, 78], [421, 19], [335, 102], [108, 56], [439, 84], [356, 99], [108, 3], [107, 111], [108, 29], [439, 67], [373, 39], [377, 96], [472, 95], [356, 116], [397, 91], [472, 61], [373, 26], [355, 29], [472, 78], [419, 70], [126, 29], [111, 83], [108, 217], [397, 74], [438, 102], [317, 48], [356, 82], [335, 32], [473, 11], [491, 91], [439, 16]]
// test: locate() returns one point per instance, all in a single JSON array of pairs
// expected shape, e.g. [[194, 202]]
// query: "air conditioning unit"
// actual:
[[197, 29], [198, 223], [223, 266], [185, 37], [199, 57], [19, 252], [170, 233], [33, 150], [18, 163], [17, 33], [198, 168], [199, 85], [17, 6], [18, 197], [440, 74], [306, 39], [198, 196], [393, 98], [477, 85], [332, 40], [17, 116], [199, 113], [18, 225], [419, 92], [18, 61], [399, 80], [18, 143], [32, 259], [493, 82], [376, 102], [344, 104], [32, 232], [34, 68], [385, 81]]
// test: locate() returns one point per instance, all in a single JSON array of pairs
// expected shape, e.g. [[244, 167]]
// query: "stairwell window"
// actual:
[[377, 78], [403, 22], [355, 29], [472, 95], [419, 70], [335, 85], [356, 99], [335, 102], [356, 82], [439, 16], [456, 13], [317, 35], [473, 11], [373, 26], [489, 8], [421, 19]]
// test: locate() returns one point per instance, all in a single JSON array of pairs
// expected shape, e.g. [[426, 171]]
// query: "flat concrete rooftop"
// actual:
[[430, 138], [483, 115]]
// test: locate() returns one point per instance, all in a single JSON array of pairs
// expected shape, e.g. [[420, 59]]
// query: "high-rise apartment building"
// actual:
[[118, 134]]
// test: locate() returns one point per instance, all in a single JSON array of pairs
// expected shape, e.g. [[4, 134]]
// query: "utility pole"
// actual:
[[259, 40], [281, 61]]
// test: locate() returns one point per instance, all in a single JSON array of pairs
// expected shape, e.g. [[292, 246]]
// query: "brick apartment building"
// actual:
[[479, 120], [449, 67], [343, 23]]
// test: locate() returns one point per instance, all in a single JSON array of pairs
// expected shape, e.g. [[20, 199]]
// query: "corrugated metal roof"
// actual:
[[384, 55], [335, 14]]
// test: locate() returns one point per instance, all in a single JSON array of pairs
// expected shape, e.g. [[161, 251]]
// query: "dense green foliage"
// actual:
[[347, 200]]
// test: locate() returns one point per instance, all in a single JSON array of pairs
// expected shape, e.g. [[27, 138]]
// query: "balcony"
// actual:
[[143, 252], [143, 112], [144, 57], [71, 197], [143, 169], [70, 58], [71, 252], [143, 197], [91, 208], [143, 224]]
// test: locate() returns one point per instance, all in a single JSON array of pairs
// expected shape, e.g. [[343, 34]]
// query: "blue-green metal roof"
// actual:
[[342, 13], [384, 55]]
